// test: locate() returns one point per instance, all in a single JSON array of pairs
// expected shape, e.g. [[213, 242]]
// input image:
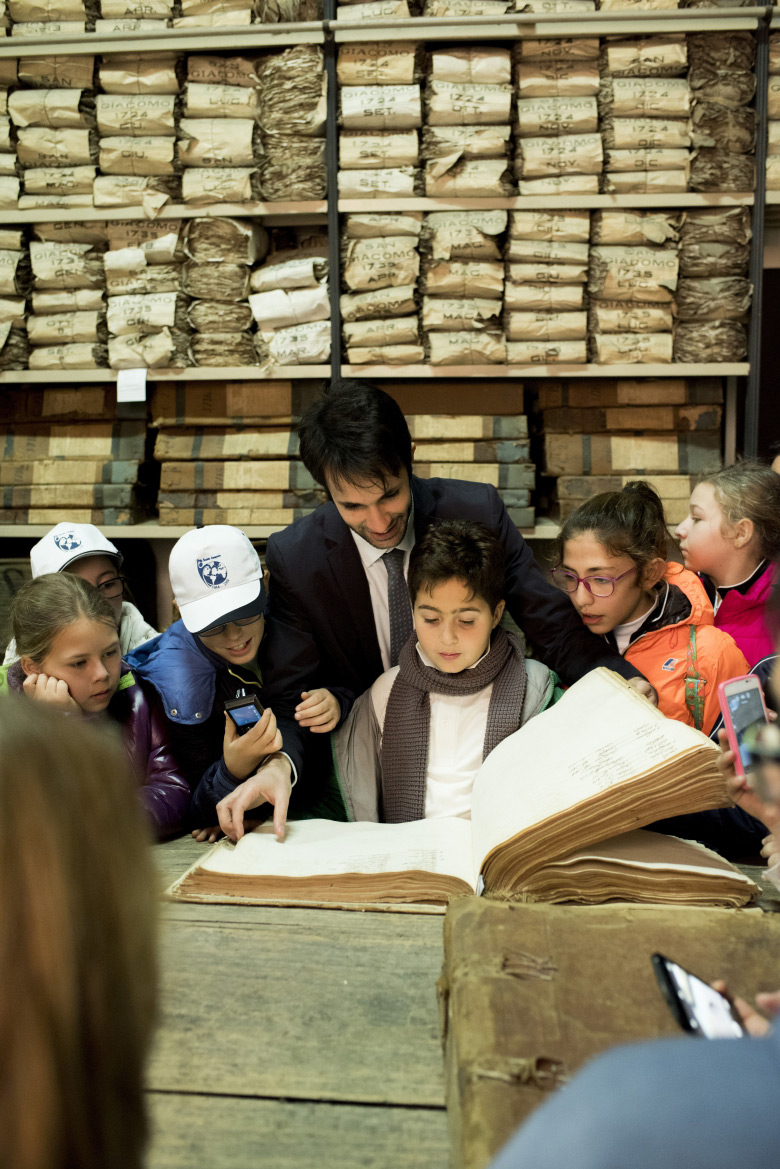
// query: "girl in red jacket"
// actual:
[[69, 658], [731, 537], [611, 560]]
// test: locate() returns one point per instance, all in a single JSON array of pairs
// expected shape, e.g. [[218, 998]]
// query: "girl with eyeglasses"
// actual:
[[611, 560], [70, 661], [83, 550]]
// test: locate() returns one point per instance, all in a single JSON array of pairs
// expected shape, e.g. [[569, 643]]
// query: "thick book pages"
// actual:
[[600, 763]]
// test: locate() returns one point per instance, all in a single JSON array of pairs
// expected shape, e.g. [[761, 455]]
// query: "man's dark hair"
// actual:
[[355, 432], [458, 549]]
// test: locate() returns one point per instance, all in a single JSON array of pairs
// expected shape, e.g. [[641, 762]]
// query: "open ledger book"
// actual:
[[546, 806]]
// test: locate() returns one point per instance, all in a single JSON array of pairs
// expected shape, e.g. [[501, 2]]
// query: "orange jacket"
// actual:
[[660, 651]]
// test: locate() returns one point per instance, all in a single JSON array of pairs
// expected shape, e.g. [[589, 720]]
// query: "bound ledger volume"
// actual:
[[554, 812]]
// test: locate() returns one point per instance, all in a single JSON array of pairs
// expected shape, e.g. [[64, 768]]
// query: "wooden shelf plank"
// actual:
[[679, 369], [314, 210], [552, 202], [186, 39], [538, 25], [190, 374]]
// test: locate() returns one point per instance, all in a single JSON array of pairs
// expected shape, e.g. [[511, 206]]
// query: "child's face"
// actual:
[[98, 570], [86, 656], [237, 644], [453, 627], [703, 534], [584, 555]]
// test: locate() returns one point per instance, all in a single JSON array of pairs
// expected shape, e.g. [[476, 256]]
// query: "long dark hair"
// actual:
[[629, 523]]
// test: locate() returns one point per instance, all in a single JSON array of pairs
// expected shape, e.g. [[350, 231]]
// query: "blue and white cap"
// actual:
[[216, 576], [68, 542]]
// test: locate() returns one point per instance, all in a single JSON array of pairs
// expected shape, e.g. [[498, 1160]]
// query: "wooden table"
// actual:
[[295, 1037]]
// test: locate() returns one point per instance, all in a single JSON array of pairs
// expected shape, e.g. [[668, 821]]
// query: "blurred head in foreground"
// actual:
[[77, 946]]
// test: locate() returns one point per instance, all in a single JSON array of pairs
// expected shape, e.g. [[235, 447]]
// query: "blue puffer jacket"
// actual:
[[193, 684]]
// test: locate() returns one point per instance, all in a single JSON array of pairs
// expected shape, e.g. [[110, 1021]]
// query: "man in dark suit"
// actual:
[[331, 592]]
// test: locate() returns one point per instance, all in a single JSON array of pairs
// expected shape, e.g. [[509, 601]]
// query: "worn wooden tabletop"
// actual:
[[295, 1037]]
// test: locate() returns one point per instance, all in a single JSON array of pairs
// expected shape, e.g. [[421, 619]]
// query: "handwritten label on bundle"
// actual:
[[520, 273], [628, 133], [647, 158], [216, 142], [647, 56], [579, 153], [213, 70], [65, 265], [546, 326], [463, 347], [63, 327], [484, 65], [48, 28], [395, 182], [560, 49], [383, 63], [386, 355], [307, 344], [642, 274], [48, 72], [217, 185], [381, 107], [380, 263], [546, 352], [466, 7], [136, 114], [560, 185], [632, 97], [375, 150], [220, 101], [450, 313], [374, 10], [79, 355], [547, 297], [381, 302], [392, 331], [146, 9], [158, 239], [154, 278], [465, 242], [632, 348], [452, 104], [142, 314], [631, 318], [535, 251], [561, 78], [464, 278], [557, 115], [42, 146], [564, 226], [129, 24], [139, 73], [74, 180], [126, 155]]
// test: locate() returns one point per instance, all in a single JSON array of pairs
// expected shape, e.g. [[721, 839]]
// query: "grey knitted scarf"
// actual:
[[408, 717]]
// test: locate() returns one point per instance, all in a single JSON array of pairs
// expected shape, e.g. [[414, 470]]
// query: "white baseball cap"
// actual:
[[68, 542], [216, 576]]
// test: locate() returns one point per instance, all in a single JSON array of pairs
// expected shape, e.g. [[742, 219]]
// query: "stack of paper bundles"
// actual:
[[558, 148], [644, 153], [15, 286], [773, 114], [212, 472], [713, 296], [68, 328], [293, 98], [468, 99], [147, 310], [220, 254], [289, 300], [381, 323], [615, 325], [723, 82], [633, 270], [52, 17], [54, 123], [9, 180], [546, 273], [645, 113], [381, 112], [219, 135], [137, 112], [463, 248]]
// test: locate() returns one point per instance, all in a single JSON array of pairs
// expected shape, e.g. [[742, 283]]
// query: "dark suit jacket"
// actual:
[[321, 628]]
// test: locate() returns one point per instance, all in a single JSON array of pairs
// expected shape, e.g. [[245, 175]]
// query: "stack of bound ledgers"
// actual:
[[554, 812]]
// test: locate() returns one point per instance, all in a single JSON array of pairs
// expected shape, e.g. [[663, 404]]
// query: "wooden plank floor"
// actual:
[[295, 1036]]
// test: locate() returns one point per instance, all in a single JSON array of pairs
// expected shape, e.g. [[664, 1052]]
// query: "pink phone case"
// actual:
[[727, 720]]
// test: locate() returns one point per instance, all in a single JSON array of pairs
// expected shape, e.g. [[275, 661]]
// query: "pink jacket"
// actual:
[[744, 618]]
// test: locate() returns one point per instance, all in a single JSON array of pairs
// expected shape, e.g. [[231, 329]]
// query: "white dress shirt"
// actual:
[[376, 575], [455, 742]]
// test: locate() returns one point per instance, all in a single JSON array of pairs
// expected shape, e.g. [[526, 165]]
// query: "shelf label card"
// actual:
[[131, 385]]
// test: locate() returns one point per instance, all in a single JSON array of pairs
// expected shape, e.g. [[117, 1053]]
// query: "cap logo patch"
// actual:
[[212, 572], [67, 541]]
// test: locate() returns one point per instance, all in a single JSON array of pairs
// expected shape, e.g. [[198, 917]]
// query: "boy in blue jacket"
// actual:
[[209, 657]]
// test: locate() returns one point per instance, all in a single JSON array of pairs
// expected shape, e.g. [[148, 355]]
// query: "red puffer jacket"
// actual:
[[163, 791]]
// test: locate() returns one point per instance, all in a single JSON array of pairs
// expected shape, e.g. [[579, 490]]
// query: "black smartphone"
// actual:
[[696, 1006], [244, 712]]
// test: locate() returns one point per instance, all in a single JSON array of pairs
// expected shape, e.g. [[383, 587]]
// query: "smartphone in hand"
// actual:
[[244, 713], [697, 1007], [742, 702]]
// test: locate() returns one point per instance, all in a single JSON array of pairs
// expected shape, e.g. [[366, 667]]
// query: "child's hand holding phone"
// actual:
[[244, 752]]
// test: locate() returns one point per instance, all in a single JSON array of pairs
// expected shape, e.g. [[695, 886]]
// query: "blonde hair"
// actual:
[[77, 945], [750, 490], [44, 606]]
